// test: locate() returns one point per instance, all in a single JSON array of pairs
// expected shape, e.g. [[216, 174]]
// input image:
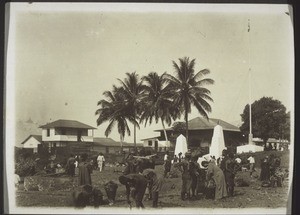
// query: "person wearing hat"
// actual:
[[136, 185]]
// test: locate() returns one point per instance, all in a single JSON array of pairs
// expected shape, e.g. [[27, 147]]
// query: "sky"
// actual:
[[61, 58]]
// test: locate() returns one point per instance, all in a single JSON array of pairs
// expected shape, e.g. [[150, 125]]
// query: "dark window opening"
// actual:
[[79, 136], [63, 131], [48, 132]]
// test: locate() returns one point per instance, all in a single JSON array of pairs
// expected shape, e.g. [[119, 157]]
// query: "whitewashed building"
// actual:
[[32, 142], [67, 133], [156, 143]]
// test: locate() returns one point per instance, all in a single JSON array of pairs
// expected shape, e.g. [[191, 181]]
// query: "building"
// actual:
[[32, 142], [156, 143], [110, 146], [201, 132], [67, 133]]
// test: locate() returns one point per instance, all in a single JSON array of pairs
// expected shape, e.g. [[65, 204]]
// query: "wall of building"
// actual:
[[55, 135], [31, 143]]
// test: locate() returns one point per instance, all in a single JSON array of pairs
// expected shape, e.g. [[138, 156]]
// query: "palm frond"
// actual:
[[109, 127], [205, 81]]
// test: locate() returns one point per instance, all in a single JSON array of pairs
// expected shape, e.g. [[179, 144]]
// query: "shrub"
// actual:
[[25, 166]]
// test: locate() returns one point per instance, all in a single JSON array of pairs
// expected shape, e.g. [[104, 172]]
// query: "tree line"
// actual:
[[155, 97], [165, 98]]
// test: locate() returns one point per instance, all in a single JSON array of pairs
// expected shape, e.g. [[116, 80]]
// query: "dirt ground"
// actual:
[[245, 197]]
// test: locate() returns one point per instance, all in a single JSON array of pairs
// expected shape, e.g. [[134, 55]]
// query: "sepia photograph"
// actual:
[[130, 108]]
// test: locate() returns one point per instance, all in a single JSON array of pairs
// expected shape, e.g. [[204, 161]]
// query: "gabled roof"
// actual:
[[200, 123], [37, 137], [102, 141], [62, 123]]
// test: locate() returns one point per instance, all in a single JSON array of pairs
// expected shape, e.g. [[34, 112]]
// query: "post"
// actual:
[[250, 137]]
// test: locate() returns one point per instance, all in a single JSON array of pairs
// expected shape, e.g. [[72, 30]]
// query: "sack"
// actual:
[[211, 184]]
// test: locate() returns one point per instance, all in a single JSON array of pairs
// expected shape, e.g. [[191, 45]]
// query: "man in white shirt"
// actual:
[[252, 162], [100, 161]]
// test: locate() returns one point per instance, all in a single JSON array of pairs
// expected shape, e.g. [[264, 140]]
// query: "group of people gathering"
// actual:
[[211, 177], [271, 173]]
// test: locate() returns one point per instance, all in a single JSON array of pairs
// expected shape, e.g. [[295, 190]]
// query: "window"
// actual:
[[149, 142], [63, 131], [48, 132]]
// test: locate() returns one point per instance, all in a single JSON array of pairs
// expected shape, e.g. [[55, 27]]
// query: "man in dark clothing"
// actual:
[[85, 170], [229, 173], [186, 176], [71, 165], [136, 185], [193, 170]]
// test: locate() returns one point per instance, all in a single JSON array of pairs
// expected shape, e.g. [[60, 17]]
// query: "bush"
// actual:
[[25, 166]]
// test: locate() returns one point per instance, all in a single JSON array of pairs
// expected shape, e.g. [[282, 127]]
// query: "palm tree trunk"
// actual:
[[134, 136], [134, 133], [165, 132], [121, 141], [186, 127]]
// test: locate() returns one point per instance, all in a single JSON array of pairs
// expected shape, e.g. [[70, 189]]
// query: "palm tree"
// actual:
[[132, 90], [158, 105], [115, 111], [188, 88]]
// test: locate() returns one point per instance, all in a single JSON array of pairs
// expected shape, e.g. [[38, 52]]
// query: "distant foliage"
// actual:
[[269, 119]]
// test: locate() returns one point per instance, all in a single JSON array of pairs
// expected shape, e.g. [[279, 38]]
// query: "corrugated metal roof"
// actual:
[[200, 123], [62, 123]]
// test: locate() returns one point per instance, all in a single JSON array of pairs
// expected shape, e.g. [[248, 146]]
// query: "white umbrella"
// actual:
[[181, 145]]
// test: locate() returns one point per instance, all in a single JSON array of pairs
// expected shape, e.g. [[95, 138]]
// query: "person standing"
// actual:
[[136, 185], [230, 173], [85, 170], [100, 161], [186, 176], [175, 160], [193, 170], [167, 165], [71, 166], [214, 172], [252, 163], [179, 157], [265, 169], [155, 183]]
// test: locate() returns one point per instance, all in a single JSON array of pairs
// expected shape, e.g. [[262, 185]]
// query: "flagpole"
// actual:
[[250, 108]]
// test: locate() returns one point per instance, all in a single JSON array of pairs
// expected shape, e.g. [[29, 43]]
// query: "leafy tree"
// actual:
[[115, 110], [157, 102], [133, 92], [188, 88], [285, 128], [268, 118]]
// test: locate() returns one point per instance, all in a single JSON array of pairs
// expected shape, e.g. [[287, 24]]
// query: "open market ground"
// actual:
[[253, 196]]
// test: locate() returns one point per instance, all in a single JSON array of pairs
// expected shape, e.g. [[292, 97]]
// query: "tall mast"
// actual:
[[250, 137]]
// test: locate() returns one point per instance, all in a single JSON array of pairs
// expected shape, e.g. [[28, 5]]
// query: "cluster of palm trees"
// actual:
[[155, 98]]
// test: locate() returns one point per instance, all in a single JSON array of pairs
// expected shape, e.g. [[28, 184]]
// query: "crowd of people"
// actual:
[[205, 176]]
